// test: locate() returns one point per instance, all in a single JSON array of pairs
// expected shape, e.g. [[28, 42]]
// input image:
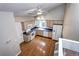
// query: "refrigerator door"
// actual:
[[57, 31]]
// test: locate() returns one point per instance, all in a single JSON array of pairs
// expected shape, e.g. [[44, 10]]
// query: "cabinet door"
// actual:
[[39, 32], [49, 23], [45, 33], [50, 34]]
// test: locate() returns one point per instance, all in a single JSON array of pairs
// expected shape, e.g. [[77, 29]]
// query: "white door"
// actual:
[[19, 32], [57, 31]]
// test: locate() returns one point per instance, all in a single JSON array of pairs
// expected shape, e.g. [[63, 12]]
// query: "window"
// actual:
[[40, 23]]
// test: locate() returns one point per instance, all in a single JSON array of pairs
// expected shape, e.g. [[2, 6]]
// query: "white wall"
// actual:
[[23, 19], [8, 36], [56, 14], [19, 32], [71, 22], [19, 19]]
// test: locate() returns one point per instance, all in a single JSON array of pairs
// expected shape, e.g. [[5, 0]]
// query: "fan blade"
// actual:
[[31, 10]]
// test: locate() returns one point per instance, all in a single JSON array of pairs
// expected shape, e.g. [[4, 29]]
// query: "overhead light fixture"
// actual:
[[39, 12], [40, 15]]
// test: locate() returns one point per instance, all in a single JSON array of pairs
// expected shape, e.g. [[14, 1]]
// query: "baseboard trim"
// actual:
[[18, 53]]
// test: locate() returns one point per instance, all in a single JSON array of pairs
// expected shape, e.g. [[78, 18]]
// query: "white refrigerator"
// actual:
[[57, 32]]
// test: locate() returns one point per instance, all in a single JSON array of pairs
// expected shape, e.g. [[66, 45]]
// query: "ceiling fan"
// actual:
[[35, 12]]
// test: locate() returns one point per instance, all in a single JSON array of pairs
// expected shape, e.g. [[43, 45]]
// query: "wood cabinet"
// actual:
[[50, 34], [26, 24], [49, 23], [39, 32], [44, 33], [47, 34]]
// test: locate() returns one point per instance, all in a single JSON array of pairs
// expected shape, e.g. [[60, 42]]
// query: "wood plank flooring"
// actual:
[[39, 46]]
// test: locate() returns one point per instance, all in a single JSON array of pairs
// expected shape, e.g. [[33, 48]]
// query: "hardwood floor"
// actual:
[[39, 46]]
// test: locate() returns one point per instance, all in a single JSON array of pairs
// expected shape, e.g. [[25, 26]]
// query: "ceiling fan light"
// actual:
[[38, 18], [39, 13]]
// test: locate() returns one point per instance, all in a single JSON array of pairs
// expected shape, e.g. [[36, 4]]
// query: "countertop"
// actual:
[[37, 28]]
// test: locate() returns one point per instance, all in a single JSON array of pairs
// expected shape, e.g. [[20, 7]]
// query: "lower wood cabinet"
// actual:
[[39, 32], [50, 34], [44, 33]]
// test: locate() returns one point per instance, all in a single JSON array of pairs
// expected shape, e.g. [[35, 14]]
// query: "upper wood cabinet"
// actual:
[[49, 23], [26, 23]]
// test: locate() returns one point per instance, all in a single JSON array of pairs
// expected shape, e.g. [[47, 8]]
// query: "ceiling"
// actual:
[[20, 9]]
